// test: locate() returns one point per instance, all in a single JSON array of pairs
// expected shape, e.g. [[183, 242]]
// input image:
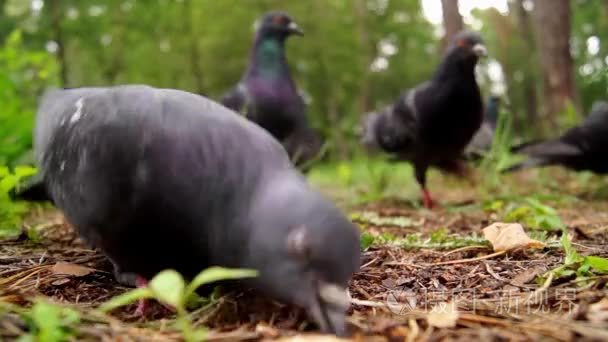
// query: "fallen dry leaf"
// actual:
[[524, 277], [598, 312], [71, 269], [509, 236], [443, 315], [267, 331]]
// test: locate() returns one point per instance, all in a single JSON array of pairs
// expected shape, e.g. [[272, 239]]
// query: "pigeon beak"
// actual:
[[480, 50], [293, 28], [329, 308]]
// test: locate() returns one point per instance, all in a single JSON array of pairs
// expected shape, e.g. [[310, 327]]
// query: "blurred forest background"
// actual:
[[548, 58]]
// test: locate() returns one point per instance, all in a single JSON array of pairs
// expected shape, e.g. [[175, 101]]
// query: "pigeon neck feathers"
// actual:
[[268, 57], [455, 65]]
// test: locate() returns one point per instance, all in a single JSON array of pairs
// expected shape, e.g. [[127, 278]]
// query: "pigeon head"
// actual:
[[468, 45], [278, 24], [305, 250]]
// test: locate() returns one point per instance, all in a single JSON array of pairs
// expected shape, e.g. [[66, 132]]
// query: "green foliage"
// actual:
[[24, 73], [499, 155], [49, 323], [203, 46], [439, 239], [10, 211], [528, 211], [364, 179], [535, 215], [170, 288], [576, 266], [367, 240], [372, 217], [589, 20]]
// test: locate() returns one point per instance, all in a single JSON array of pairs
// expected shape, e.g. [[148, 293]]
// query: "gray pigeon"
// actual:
[[162, 178], [580, 148]]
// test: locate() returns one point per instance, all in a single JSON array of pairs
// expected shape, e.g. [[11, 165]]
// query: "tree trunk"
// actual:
[[552, 31], [195, 58], [365, 55], [452, 20], [56, 18], [529, 78]]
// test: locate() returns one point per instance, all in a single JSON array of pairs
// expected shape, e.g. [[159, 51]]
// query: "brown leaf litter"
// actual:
[[397, 295]]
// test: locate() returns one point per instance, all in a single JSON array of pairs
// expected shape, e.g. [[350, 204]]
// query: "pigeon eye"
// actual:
[[279, 20]]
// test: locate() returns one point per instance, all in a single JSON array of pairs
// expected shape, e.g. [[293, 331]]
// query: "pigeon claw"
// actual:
[[427, 200], [142, 304]]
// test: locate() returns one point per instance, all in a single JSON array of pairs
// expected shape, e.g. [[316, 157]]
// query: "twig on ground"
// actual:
[[462, 261]]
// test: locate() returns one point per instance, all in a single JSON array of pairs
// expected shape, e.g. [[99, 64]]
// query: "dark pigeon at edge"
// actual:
[[582, 148], [267, 94], [432, 124], [162, 178]]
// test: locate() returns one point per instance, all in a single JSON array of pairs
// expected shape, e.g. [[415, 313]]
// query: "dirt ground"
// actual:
[[495, 296]]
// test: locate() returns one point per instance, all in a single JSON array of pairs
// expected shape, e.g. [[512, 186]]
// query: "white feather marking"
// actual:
[[78, 113]]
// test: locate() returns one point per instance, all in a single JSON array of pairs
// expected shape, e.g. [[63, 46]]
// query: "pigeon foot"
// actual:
[[427, 200], [142, 303]]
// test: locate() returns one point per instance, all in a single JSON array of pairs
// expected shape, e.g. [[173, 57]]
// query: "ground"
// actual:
[[425, 275]]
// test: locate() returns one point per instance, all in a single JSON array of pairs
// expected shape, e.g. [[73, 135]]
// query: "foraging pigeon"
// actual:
[[580, 148], [431, 124], [482, 140], [162, 178], [267, 94]]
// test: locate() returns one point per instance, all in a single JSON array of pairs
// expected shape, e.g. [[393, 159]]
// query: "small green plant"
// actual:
[[499, 155], [367, 240], [49, 322], [11, 211], [372, 217], [363, 180], [575, 265], [379, 178], [169, 287], [533, 214], [439, 239]]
